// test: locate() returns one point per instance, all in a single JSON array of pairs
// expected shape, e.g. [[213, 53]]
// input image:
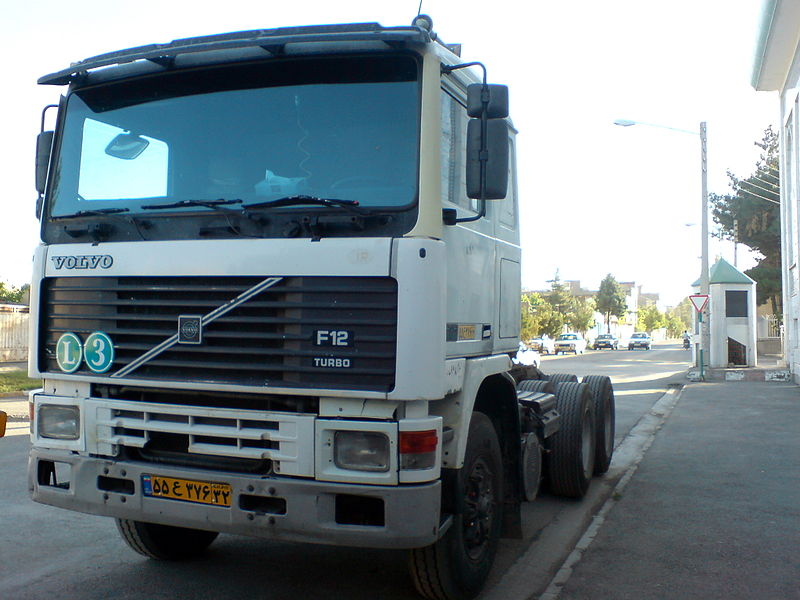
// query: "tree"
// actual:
[[680, 318], [610, 300], [650, 318], [751, 215], [581, 316], [527, 329], [550, 322], [13, 294], [539, 318], [559, 297]]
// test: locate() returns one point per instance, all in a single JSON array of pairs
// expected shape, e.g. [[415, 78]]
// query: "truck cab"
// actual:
[[277, 295]]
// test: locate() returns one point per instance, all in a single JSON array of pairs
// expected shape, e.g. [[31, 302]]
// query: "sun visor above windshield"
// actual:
[[231, 47]]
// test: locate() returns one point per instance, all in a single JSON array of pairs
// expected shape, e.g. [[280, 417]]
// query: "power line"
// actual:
[[762, 197], [759, 187]]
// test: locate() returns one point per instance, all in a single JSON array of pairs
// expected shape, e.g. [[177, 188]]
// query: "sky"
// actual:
[[595, 198]]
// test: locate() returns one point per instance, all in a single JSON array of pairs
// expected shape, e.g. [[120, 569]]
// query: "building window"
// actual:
[[735, 303]]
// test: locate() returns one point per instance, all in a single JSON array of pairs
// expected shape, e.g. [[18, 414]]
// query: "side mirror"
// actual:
[[127, 146], [44, 145], [497, 97], [496, 162]]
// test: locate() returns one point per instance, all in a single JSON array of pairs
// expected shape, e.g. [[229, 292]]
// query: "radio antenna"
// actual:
[[419, 10]]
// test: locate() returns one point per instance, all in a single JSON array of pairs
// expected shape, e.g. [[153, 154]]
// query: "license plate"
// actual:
[[187, 490], [466, 332]]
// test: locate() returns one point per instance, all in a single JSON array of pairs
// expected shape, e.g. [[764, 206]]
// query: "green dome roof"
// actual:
[[724, 272]]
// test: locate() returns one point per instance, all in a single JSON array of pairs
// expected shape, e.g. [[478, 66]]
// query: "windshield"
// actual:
[[604, 336], [568, 336], [344, 128], [639, 335]]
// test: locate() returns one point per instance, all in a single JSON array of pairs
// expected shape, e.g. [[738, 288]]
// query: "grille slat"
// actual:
[[270, 337]]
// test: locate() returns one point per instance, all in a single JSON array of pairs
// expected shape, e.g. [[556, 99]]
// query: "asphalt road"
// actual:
[[51, 553]]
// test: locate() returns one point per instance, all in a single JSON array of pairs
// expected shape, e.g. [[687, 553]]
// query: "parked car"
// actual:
[[606, 340], [639, 340], [570, 342], [543, 344]]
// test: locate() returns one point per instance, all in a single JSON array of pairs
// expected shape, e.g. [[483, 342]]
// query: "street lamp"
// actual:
[[705, 337]]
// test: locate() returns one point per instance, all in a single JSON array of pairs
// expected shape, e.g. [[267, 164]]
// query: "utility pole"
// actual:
[[705, 331]]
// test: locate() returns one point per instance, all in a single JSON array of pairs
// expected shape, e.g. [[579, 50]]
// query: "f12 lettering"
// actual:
[[332, 337]]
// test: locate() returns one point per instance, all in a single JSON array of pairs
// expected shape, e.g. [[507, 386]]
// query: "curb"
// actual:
[[766, 375], [17, 394]]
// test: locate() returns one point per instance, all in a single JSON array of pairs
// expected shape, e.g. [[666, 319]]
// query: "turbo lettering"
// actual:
[[337, 363]]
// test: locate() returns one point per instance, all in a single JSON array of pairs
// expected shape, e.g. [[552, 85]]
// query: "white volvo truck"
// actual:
[[278, 295]]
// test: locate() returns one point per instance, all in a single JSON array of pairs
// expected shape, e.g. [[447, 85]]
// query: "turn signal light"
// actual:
[[418, 449], [418, 442]]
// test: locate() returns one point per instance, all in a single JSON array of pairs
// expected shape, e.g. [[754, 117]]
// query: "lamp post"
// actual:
[[705, 336]]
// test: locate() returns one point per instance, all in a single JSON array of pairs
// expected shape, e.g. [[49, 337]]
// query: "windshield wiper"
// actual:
[[303, 200], [94, 212], [181, 203]]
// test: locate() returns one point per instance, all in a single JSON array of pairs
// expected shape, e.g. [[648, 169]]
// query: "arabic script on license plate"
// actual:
[[187, 490]]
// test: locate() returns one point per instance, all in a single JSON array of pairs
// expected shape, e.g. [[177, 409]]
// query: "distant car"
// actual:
[[639, 340], [543, 344], [570, 342], [527, 356], [606, 340]]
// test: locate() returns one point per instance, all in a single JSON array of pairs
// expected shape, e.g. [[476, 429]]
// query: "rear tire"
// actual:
[[556, 378], [605, 420], [571, 459], [165, 542], [535, 385], [457, 565]]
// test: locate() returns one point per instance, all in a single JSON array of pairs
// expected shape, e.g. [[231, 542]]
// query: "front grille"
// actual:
[[268, 340], [231, 439]]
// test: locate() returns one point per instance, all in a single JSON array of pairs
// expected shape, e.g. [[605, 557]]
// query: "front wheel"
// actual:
[[164, 542], [457, 565]]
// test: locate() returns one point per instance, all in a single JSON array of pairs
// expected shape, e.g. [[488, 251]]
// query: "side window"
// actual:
[[453, 153], [508, 209], [104, 177]]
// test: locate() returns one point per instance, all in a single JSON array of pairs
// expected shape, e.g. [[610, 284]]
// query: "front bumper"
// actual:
[[278, 508]]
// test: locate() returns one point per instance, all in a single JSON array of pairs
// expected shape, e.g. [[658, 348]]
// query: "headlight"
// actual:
[[361, 451], [60, 422]]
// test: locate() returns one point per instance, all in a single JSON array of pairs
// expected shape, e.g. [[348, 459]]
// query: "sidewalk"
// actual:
[[713, 511]]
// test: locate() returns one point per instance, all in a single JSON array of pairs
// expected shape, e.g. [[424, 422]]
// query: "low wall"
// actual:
[[13, 336], [769, 346]]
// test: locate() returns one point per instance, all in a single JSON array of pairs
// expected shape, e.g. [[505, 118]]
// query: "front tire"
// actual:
[[165, 542], [457, 565]]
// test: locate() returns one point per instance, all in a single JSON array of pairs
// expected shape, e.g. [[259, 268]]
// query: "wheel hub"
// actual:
[[479, 509]]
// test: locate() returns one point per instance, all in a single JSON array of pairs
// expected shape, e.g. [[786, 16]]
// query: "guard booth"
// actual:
[[732, 315]]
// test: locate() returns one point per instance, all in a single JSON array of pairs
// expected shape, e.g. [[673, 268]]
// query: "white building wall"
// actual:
[[790, 170], [777, 68]]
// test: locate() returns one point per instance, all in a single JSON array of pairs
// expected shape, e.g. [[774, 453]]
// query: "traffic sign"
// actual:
[[699, 301]]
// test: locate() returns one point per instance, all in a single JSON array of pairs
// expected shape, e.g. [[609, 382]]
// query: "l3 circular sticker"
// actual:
[[69, 352], [98, 352]]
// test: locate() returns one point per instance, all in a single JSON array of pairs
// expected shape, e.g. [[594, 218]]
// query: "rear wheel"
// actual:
[[571, 459], [165, 542], [456, 567], [556, 378], [605, 420], [535, 385]]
